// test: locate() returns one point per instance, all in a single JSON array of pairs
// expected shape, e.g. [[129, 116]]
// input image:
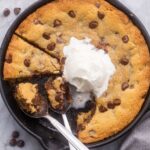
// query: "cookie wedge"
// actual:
[[24, 60]]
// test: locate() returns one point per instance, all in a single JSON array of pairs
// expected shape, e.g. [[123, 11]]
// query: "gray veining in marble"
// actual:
[[7, 124]]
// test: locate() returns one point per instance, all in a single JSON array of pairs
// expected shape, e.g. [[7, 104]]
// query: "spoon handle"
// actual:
[[67, 127], [70, 137]]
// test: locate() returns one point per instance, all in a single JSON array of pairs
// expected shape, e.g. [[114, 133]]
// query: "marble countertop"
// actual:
[[7, 123]]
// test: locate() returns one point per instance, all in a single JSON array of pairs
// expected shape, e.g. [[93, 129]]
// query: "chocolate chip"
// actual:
[[57, 23], [59, 97], [87, 120], [97, 5], [46, 35], [20, 143], [9, 58], [72, 14], [6, 12], [117, 102], [17, 10], [15, 134], [90, 105], [63, 60], [110, 105], [62, 87], [27, 62], [102, 45], [80, 127], [144, 96], [93, 24], [100, 15], [60, 40], [51, 46], [124, 61], [37, 21], [124, 86], [102, 108], [125, 39], [102, 38], [13, 142], [131, 86]]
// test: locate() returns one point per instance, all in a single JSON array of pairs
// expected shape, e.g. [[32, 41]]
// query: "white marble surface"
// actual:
[[7, 124]]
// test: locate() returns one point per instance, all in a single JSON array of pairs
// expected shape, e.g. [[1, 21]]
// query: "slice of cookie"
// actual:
[[58, 93], [24, 60], [29, 98]]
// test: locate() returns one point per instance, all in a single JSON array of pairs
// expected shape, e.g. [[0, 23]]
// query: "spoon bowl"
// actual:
[[43, 113]]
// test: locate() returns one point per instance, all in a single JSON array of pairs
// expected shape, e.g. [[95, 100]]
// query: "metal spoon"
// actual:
[[66, 123], [63, 111], [43, 113]]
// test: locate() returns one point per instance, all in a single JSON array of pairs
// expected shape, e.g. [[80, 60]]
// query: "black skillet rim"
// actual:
[[4, 46]]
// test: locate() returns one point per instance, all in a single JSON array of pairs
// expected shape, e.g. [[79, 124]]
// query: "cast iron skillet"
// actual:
[[41, 130]]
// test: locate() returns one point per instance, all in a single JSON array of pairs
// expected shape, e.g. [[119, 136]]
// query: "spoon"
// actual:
[[66, 122], [43, 113], [63, 110]]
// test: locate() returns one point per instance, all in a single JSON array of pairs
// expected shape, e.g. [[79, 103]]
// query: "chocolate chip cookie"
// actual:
[[50, 29]]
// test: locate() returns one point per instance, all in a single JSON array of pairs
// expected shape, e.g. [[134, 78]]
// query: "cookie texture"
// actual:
[[51, 27], [29, 98], [58, 93], [24, 60]]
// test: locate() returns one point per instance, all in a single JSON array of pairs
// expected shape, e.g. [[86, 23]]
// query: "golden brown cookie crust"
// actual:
[[24, 60], [122, 40]]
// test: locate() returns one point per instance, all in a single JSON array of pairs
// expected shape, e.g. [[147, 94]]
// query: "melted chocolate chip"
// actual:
[[144, 96], [102, 45], [102, 39], [89, 105], [63, 60], [80, 127], [100, 15], [37, 21], [97, 5], [27, 62], [57, 23], [6, 12], [9, 58], [125, 39], [59, 97], [102, 108], [37, 101], [116, 32], [93, 24], [51, 46], [72, 14], [87, 120], [117, 102], [124, 86], [17, 10], [110, 105], [60, 40], [124, 61], [46, 35]]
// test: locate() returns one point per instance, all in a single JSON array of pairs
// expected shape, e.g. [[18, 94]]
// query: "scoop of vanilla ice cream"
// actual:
[[87, 68]]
